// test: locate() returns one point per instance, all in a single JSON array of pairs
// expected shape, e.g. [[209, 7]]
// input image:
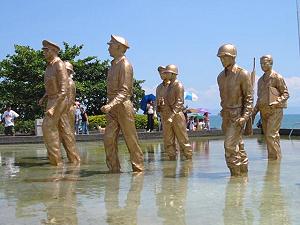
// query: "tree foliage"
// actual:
[[22, 80]]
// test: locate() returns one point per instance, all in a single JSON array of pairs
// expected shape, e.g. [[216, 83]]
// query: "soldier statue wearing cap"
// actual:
[[56, 124], [171, 106], [119, 109], [236, 102]]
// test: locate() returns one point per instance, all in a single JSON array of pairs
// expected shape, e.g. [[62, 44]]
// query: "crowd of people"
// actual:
[[198, 123], [193, 123]]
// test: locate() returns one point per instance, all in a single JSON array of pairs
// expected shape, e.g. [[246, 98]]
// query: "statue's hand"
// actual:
[[105, 108], [241, 121], [170, 120], [274, 104], [50, 112], [41, 101]]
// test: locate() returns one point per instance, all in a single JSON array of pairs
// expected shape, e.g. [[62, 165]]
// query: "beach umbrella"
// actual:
[[198, 110], [145, 100], [196, 115], [190, 96]]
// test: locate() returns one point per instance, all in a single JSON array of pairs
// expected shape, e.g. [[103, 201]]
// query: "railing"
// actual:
[[295, 124]]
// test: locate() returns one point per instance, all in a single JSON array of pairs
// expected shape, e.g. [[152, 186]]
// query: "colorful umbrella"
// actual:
[[145, 100], [190, 96]]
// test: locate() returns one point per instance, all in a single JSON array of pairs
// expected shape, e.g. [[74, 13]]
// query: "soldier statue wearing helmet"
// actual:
[[236, 102], [71, 95], [173, 119]]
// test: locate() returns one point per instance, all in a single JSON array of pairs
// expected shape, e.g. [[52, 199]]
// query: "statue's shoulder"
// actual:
[[243, 72], [277, 75]]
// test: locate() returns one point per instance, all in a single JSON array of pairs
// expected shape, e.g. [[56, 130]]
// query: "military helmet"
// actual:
[[171, 69], [227, 49]]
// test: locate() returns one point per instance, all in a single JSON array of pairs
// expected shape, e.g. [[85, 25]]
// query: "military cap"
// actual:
[[118, 40], [50, 45]]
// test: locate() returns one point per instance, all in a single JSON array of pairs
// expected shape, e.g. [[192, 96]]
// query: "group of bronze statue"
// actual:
[[236, 92]]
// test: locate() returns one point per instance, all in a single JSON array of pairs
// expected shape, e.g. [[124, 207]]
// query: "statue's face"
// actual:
[[48, 53], [265, 64], [113, 50], [227, 61], [164, 76]]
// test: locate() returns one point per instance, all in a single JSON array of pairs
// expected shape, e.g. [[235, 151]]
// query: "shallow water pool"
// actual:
[[183, 192]]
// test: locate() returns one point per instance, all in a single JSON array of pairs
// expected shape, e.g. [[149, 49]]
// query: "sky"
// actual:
[[161, 32]]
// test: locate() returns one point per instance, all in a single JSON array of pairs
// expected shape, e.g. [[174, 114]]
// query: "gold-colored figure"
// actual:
[[71, 95], [272, 95], [119, 109], [236, 102], [56, 125], [170, 104]]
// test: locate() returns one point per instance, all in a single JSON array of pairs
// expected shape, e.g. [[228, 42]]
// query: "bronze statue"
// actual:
[[170, 105], [56, 125], [119, 109], [71, 95], [236, 102], [272, 96]]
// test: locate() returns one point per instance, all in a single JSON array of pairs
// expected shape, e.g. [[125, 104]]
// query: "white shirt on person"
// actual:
[[9, 117]]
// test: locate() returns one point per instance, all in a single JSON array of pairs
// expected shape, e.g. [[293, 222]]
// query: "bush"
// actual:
[[100, 120], [25, 126], [95, 121]]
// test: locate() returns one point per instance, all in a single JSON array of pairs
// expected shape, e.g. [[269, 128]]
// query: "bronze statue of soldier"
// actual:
[[56, 125], [119, 109], [236, 101], [272, 95], [170, 95], [71, 95]]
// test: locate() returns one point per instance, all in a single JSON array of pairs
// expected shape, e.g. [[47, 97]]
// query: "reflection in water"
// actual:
[[171, 197], [235, 212], [60, 196], [272, 208], [201, 147], [126, 215], [7, 161]]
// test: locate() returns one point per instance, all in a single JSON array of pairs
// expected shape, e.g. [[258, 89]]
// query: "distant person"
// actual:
[[191, 123], [84, 121], [77, 118], [206, 121], [272, 96], [8, 118], [200, 125], [150, 116]]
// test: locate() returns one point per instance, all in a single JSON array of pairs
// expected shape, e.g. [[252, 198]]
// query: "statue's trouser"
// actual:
[[57, 129], [173, 131], [235, 154], [271, 121], [121, 117], [72, 117]]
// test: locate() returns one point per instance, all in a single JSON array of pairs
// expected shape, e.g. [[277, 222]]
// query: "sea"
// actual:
[[289, 121]]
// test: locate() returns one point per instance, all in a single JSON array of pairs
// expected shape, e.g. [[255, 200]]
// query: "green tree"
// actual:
[[22, 85]]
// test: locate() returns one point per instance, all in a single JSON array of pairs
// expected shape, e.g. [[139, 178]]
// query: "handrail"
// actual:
[[293, 128]]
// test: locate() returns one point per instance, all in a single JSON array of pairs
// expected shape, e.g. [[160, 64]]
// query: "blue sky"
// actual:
[[185, 33]]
